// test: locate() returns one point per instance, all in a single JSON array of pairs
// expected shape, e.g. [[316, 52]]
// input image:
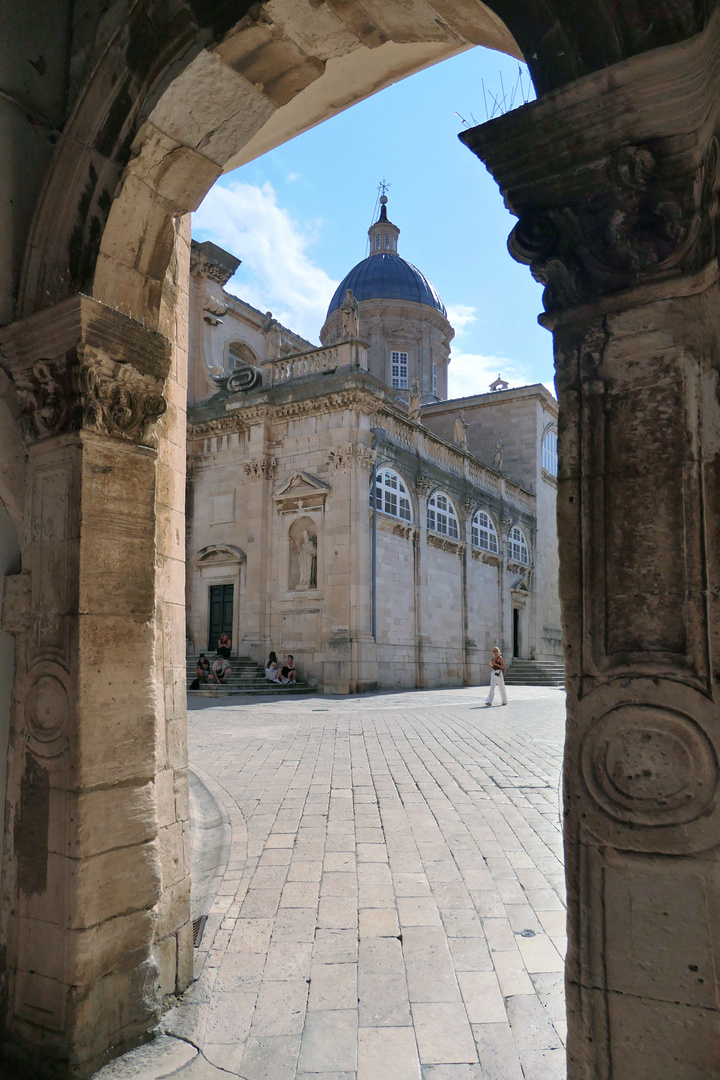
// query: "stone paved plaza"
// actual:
[[392, 903]]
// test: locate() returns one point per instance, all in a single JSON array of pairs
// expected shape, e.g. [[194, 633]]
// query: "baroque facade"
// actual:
[[117, 120], [288, 549]]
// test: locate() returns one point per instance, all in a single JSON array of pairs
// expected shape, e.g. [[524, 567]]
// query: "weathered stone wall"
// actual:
[[9, 564]]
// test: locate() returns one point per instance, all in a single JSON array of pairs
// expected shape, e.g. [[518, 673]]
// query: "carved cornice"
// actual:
[[220, 426], [202, 267], [549, 478]]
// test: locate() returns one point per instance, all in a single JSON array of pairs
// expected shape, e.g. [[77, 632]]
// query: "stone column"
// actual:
[[615, 183], [96, 880]]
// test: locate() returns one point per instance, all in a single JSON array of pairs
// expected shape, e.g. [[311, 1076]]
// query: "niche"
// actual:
[[302, 538]]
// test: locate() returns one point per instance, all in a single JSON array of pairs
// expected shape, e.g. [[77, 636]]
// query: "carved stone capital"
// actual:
[[260, 468], [645, 224], [84, 367], [612, 188], [423, 485]]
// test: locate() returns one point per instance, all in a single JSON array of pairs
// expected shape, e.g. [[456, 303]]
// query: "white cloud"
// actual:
[[292, 177], [460, 316], [472, 373], [247, 220]]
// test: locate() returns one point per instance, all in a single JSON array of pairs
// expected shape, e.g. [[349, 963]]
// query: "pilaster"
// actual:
[[96, 828], [615, 183]]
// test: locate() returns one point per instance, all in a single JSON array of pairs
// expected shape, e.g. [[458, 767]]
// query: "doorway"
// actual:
[[221, 613], [516, 633]]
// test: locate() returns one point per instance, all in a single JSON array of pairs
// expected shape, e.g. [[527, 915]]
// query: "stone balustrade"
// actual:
[[314, 362]]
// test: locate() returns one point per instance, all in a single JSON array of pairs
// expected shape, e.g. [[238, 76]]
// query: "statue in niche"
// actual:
[[461, 434], [499, 454], [307, 552], [303, 566], [273, 336], [414, 403], [350, 315]]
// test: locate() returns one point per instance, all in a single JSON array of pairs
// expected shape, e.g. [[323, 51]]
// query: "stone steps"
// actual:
[[246, 677], [535, 673]]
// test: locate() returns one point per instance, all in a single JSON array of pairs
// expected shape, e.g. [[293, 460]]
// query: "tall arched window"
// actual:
[[391, 496], [483, 532], [550, 453], [441, 516], [517, 546]]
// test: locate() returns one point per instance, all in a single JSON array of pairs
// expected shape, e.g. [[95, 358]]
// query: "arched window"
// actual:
[[391, 496], [550, 453], [441, 516], [387, 240], [483, 532], [377, 241], [517, 546]]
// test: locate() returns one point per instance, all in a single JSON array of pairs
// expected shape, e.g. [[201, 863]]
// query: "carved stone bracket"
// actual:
[[84, 367]]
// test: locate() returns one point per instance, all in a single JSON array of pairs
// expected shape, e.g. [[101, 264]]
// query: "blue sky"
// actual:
[[298, 218]]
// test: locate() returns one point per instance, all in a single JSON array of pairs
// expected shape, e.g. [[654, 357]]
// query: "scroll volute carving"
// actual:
[[642, 223]]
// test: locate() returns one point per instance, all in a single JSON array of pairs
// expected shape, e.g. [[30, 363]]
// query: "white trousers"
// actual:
[[496, 679]]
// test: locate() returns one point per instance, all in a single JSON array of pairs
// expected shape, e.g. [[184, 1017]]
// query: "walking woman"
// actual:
[[497, 678]]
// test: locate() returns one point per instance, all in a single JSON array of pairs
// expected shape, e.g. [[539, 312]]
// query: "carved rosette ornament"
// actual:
[[85, 391]]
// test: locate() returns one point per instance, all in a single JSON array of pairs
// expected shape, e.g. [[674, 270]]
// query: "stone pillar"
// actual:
[[615, 182], [96, 883]]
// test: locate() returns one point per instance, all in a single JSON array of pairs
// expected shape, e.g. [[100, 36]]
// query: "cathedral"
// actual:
[[342, 509]]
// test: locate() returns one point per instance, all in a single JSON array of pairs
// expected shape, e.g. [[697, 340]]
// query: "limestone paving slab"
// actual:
[[393, 901]]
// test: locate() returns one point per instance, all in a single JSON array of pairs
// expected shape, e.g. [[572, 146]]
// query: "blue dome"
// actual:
[[386, 276]]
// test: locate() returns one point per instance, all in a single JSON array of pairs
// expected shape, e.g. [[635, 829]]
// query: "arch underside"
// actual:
[[176, 100]]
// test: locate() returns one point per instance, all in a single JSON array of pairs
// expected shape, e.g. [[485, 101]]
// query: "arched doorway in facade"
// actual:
[[616, 194]]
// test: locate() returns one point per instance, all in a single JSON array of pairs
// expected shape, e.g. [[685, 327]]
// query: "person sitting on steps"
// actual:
[[272, 670], [289, 672], [220, 670], [202, 671], [224, 646]]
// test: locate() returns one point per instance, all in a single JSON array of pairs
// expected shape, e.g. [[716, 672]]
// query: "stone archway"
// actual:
[[616, 193]]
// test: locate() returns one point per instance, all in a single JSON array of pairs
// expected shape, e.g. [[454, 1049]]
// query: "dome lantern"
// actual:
[[383, 234]]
